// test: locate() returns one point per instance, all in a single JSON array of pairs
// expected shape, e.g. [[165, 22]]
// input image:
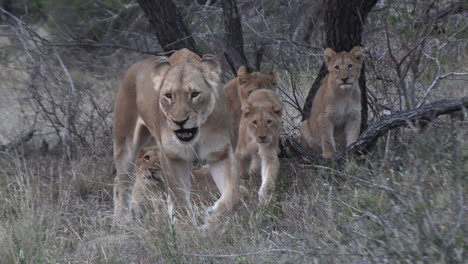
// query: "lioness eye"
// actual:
[[254, 122], [337, 67], [269, 122], [146, 157], [195, 94], [350, 66], [168, 96]]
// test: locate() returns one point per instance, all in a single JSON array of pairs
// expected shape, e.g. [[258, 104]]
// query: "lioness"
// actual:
[[180, 102], [149, 189], [335, 118], [259, 133], [238, 90]]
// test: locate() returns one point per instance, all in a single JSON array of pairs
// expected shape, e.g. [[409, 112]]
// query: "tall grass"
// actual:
[[407, 206]]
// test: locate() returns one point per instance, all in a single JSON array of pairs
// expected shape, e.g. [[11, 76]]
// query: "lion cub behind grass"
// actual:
[[259, 132], [238, 90], [149, 191], [335, 118]]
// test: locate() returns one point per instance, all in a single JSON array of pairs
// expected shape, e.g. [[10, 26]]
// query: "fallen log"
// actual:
[[425, 114]]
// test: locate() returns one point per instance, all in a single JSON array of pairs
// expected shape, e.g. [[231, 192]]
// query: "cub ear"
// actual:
[[242, 75], [358, 53], [161, 66], [211, 67], [273, 78], [278, 109], [328, 55], [247, 109]]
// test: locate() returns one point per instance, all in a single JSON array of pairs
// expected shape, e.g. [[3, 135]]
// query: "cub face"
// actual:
[[262, 112], [148, 167], [248, 82], [187, 95], [344, 68]]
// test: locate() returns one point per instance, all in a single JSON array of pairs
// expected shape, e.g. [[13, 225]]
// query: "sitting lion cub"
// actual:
[[259, 133], [238, 90], [335, 118], [149, 190]]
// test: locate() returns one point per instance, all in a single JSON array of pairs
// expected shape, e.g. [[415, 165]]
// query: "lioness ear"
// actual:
[[242, 75], [161, 67], [358, 53], [273, 78], [211, 68], [329, 54]]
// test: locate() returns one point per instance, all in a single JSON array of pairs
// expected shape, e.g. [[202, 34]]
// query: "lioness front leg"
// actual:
[[226, 177], [125, 149], [177, 180], [270, 168]]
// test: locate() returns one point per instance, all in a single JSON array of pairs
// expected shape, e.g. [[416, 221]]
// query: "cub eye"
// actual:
[[337, 67], [350, 66], [168, 96], [254, 122], [269, 122], [195, 94], [146, 157]]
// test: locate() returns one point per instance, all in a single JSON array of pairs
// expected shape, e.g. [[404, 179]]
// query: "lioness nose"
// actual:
[[344, 79], [180, 123], [262, 138]]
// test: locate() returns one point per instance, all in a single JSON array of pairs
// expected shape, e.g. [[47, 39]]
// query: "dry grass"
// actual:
[[405, 208]]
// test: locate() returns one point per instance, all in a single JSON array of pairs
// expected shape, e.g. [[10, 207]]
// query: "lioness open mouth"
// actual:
[[186, 135]]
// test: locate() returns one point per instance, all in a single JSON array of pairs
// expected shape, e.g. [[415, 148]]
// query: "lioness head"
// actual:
[[148, 166], [188, 94], [344, 68], [248, 82], [262, 112]]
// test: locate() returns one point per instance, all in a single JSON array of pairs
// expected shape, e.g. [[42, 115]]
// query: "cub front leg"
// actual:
[[225, 175], [270, 169], [352, 129], [244, 163], [328, 137]]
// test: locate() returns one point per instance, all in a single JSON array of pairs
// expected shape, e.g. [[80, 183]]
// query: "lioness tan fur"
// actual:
[[335, 117], [238, 90], [259, 132], [180, 102], [149, 189]]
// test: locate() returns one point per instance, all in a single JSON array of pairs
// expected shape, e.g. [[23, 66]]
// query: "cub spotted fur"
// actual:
[[149, 189], [259, 132], [238, 90], [180, 102], [335, 118]]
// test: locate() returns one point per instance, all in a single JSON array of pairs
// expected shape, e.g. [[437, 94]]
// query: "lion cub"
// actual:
[[335, 118], [238, 90], [259, 133], [149, 190]]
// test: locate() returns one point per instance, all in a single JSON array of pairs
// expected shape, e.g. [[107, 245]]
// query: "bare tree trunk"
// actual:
[[170, 28], [344, 20], [234, 41]]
